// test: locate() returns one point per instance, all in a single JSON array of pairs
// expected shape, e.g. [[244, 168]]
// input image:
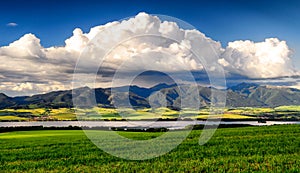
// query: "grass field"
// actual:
[[247, 149]]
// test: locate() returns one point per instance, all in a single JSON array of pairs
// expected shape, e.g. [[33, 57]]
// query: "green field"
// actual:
[[99, 113], [247, 149]]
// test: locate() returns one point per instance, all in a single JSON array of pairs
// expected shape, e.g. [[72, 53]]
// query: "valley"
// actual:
[[291, 113]]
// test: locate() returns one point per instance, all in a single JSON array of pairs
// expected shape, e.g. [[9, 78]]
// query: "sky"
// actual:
[[51, 23]]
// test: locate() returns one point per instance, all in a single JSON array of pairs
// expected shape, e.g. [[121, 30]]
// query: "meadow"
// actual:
[[246, 149], [97, 113]]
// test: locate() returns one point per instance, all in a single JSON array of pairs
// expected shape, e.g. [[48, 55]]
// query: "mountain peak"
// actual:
[[243, 85], [3, 95], [161, 86]]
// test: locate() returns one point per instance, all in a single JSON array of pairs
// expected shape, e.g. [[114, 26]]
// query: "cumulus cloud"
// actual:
[[12, 24], [143, 42], [27, 46], [267, 59]]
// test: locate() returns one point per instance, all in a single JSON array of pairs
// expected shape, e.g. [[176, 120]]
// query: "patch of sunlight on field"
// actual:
[[146, 109], [252, 111], [235, 116], [263, 110], [166, 112], [192, 112], [105, 110], [12, 118], [228, 116], [140, 114], [236, 111], [203, 112], [64, 116], [288, 108], [62, 110], [37, 111]]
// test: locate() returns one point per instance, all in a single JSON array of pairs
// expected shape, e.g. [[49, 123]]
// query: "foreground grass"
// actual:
[[261, 149]]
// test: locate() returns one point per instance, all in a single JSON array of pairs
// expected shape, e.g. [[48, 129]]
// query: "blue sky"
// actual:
[[226, 21]]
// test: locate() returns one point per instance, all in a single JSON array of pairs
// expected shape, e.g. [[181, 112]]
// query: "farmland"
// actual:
[[96, 113], [262, 149]]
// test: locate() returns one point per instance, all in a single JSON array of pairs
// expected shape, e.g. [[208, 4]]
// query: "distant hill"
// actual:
[[255, 95], [241, 95], [6, 101]]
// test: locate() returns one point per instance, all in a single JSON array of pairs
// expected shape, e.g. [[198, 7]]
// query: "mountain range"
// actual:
[[241, 95]]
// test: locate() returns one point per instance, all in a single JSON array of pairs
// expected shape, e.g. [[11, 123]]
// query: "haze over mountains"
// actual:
[[241, 95]]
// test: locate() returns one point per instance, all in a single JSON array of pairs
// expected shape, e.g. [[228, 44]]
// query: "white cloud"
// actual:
[[157, 45], [27, 46], [268, 59], [77, 42], [12, 24]]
